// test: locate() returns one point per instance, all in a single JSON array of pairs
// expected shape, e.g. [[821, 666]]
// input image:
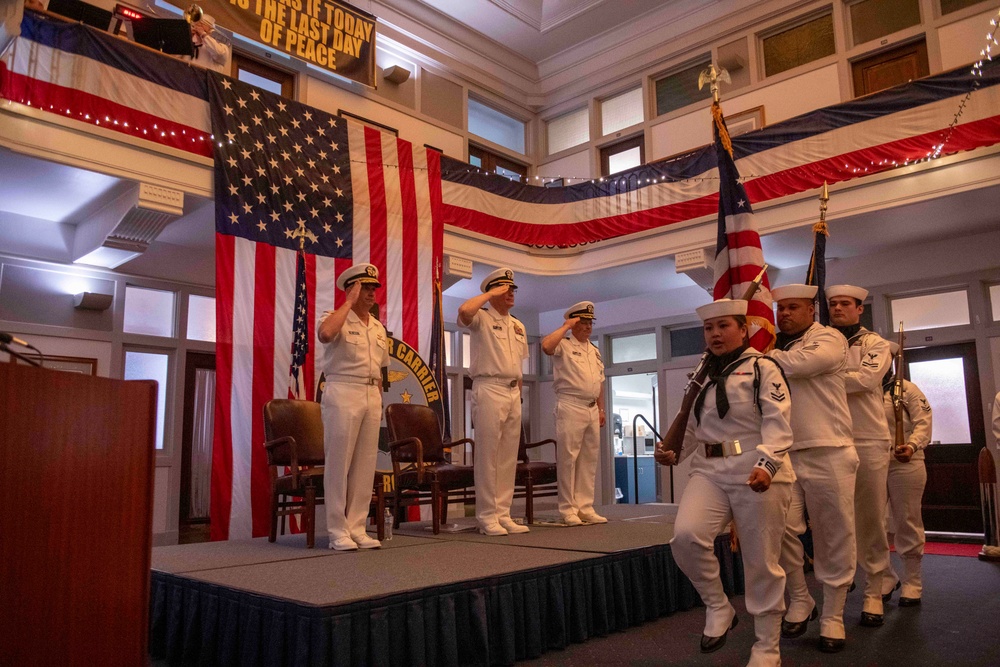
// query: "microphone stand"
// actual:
[[18, 355]]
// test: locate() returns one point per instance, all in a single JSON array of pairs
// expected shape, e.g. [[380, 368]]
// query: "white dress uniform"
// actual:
[[906, 489], [212, 54], [996, 425], [868, 358], [578, 375], [825, 466], [499, 343], [352, 413], [755, 432]]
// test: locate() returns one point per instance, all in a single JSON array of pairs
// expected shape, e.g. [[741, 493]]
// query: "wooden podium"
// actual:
[[76, 503]]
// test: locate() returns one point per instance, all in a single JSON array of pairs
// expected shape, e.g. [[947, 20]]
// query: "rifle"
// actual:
[[897, 395], [674, 440]]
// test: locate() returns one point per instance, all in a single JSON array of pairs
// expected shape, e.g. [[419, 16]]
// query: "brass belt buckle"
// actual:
[[591, 404], [513, 383]]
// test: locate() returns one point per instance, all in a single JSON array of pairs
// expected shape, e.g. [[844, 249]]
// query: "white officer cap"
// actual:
[[366, 274], [721, 308], [584, 310], [794, 291], [846, 290], [502, 276], [208, 20]]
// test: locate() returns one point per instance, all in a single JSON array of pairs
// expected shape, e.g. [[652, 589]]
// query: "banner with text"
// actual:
[[329, 34]]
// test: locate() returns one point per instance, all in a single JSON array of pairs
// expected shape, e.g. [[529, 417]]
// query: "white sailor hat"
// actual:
[[502, 276], [794, 291], [858, 293], [366, 274], [721, 308], [584, 310]]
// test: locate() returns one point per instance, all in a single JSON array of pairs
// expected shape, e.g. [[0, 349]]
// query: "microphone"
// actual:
[[6, 338]]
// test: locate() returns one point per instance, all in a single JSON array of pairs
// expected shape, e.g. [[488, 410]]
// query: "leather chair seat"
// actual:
[[312, 477], [541, 472], [447, 475]]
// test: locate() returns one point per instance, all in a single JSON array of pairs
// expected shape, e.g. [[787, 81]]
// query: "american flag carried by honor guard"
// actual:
[[300, 196]]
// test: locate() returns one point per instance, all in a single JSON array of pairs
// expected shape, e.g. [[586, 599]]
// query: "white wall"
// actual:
[[962, 41]]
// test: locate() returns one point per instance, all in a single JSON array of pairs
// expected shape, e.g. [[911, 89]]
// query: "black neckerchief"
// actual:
[[719, 368], [850, 331], [783, 340]]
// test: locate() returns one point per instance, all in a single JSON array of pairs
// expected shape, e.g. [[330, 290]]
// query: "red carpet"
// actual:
[[952, 549]]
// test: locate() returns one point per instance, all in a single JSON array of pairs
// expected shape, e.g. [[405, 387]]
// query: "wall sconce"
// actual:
[[92, 301], [396, 74]]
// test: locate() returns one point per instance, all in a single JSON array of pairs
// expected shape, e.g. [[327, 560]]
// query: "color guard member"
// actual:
[[738, 440], [906, 481], [355, 349], [868, 358], [578, 373], [499, 344], [813, 357]]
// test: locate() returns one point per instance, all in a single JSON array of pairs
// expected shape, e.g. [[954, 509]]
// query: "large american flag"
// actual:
[[300, 196], [738, 253]]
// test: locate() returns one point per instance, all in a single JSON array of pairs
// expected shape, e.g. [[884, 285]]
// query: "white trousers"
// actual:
[[825, 486], [706, 507], [578, 443], [906, 489], [496, 413], [870, 497], [352, 414]]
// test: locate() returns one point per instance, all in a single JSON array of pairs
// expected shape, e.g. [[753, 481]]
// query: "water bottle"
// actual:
[[388, 525]]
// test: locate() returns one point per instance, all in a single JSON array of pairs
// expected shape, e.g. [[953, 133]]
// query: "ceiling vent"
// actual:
[[455, 269], [125, 227], [698, 265]]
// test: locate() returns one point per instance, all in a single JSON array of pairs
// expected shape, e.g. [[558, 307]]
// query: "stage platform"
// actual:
[[456, 598]]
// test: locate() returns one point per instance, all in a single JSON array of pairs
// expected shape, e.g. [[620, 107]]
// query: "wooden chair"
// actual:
[[537, 478], [295, 457], [421, 470]]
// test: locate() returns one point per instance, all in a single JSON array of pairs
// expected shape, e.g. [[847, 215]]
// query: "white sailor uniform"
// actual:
[[352, 413], [578, 372], [499, 343], [868, 358], [758, 420], [825, 464], [906, 483]]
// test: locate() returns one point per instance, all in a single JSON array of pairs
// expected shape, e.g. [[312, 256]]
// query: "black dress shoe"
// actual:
[[791, 630], [710, 644], [828, 645], [871, 620], [909, 602], [888, 596]]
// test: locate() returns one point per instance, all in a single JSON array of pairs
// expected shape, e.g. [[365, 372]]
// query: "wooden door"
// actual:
[[948, 375], [890, 68], [196, 447]]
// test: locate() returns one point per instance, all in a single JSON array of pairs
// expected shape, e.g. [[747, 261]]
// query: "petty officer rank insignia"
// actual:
[[924, 405], [777, 393], [870, 361]]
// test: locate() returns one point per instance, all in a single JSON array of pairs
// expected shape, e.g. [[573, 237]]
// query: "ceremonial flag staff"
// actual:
[[817, 263]]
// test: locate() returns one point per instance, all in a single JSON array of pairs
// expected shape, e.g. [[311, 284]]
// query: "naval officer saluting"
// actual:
[[499, 343], [738, 442], [355, 349], [578, 373]]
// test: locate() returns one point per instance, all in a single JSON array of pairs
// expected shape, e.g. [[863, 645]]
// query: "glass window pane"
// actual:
[[621, 111], [569, 130], [259, 81], [449, 342], [149, 311], [685, 342], [151, 366], [949, 6], [871, 19], [507, 173], [201, 318], [476, 161], [466, 350], [633, 348], [995, 302], [529, 366], [943, 382], [633, 395], [498, 127], [681, 89], [931, 311], [799, 45], [627, 159]]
